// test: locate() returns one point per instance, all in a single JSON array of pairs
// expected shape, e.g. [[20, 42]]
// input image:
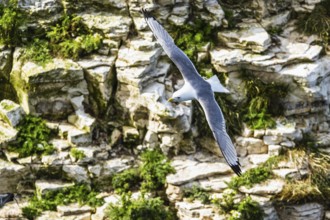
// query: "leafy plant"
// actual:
[[81, 194], [262, 101], [124, 182], [11, 21], [246, 209], [39, 52], [139, 209], [71, 38], [32, 138], [254, 175], [249, 210], [77, 154], [226, 203], [154, 170], [196, 192]]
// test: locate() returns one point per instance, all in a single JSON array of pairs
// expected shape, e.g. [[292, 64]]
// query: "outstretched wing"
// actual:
[[180, 59], [217, 124]]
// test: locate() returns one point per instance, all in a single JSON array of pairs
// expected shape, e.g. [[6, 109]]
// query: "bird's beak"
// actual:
[[170, 100]]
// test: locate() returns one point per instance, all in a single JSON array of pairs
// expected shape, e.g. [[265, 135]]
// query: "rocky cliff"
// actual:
[[93, 72]]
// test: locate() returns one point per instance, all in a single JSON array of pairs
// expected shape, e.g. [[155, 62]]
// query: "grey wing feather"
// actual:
[[217, 124], [180, 59]]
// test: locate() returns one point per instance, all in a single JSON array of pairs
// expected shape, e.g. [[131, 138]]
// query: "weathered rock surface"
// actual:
[[189, 169], [306, 211], [10, 175]]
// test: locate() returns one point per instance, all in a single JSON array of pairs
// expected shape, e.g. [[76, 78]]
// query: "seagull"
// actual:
[[196, 88]]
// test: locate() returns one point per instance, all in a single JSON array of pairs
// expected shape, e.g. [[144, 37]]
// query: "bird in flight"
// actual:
[[196, 88]]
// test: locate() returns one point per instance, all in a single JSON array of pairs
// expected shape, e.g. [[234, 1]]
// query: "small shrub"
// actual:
[[140, 209], [32, 138], [125, 181], [11, 21], [275, 30], [77, 154], [154, 170], [39, 52], [247, 209], [71, 38], [226, 203], [262, 101], [197, 193], [254, 175], [81, 194]]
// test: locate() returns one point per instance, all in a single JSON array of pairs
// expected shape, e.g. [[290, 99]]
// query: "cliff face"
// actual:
[[94, 72]]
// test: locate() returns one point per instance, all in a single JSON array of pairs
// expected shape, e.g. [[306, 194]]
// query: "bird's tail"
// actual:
[[216, 85]]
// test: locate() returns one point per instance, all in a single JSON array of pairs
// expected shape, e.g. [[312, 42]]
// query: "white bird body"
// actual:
[[195, 87]]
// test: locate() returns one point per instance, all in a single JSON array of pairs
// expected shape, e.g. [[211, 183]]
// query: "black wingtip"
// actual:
[[146, 13], [236, 169]]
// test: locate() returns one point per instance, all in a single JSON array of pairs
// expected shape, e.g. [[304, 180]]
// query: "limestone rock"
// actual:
[[216, 13], [56, 159], [73, 209], [44, 186], [47, 90], [308, 211], [265, 203], [196, 210], [270, 187], [77, 173], [74, 135], [251, 37], [7, 133], [115, 27], [112, 166], [174, 193], [11, 112], [82, 121], [188, 170], [13, 210], [257, 159], [100, 80], [11, 174]]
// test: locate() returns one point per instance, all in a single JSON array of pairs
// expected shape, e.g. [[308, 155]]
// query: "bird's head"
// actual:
[[174, 99]]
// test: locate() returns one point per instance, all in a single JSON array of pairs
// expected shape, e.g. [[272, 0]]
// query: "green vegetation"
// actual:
[[154, 169], [196, 192], [125, 181], [140, 209], [11, 21], [77, 154], [81, 194], [39, 51], [262, 101], [246, 209], [318, 21], [275, 30], [254, 175], [32, 138], [69, 38], [191, 38], [149, 177]]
